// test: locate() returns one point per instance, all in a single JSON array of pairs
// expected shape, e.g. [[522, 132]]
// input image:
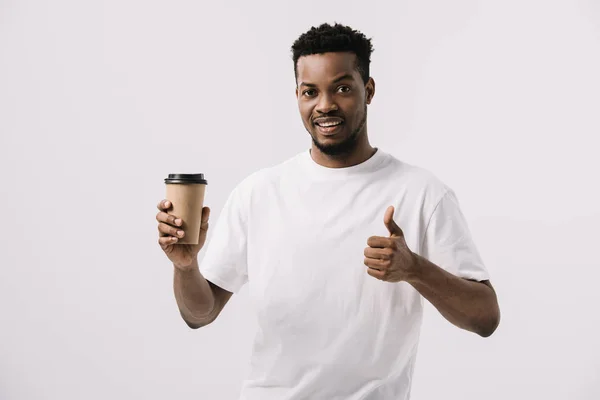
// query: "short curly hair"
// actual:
[[337, 38]]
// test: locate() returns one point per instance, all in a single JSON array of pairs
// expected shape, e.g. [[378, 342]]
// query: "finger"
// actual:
[[379, 242], [376, 274], [376, 264], [205, 214], [166, 241], [204, 226], [168, 219], [164, 205], [168, 230], [377, 253], [389, 214]]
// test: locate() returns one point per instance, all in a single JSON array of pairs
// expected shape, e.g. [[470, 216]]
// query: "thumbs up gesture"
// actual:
[[389, 258]]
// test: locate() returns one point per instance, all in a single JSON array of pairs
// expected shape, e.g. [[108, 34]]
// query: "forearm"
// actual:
[[467, 304], [194, 296]]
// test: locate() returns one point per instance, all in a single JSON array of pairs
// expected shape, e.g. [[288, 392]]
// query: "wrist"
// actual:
[[184, 268], [418, 269]]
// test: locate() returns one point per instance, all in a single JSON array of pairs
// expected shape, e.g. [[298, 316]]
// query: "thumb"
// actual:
[[390, 224], [205, 214]]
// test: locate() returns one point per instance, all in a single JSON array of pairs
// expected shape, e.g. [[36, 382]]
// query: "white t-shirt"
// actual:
[[296, 233]]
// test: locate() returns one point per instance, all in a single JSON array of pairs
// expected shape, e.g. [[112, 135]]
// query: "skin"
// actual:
[[199, 300], [329, 86], [467, 304]]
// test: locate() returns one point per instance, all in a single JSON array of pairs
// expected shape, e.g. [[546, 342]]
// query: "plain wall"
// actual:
[[100, 100]]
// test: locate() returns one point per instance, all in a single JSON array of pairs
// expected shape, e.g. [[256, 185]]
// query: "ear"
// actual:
[[370, 90]]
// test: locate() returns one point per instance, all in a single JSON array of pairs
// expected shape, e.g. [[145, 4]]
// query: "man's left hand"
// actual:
[[389, 258]]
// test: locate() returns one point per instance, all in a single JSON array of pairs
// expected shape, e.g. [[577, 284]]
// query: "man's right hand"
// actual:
[[169, 231]]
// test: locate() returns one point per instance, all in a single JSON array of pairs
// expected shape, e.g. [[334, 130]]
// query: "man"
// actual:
[[337, 320]]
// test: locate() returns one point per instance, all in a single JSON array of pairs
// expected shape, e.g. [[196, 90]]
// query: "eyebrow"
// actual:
[[341, 78]]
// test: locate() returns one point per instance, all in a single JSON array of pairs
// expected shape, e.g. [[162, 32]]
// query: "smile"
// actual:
[[329, 128], [328, 124]]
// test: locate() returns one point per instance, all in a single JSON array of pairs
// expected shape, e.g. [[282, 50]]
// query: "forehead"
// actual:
[[327, 66]]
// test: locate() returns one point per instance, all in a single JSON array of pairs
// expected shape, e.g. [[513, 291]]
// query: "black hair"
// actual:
[[337, 38]]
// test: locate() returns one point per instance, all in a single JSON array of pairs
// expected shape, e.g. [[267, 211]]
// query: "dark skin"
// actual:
[[330, 91], [329, 86], [332, 99]]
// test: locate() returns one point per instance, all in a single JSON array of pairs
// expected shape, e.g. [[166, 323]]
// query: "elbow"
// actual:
[[485, 333], [490, 325], [197, 323], [192, 325]]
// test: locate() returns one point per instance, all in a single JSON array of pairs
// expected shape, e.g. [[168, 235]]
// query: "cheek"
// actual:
[[359, 108], [354, 105], [305, 111]]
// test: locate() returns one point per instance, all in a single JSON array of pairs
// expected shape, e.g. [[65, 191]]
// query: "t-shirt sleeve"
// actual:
[[225, 260], [448, 242]]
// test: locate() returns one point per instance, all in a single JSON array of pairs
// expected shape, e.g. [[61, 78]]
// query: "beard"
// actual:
[[346, 146]]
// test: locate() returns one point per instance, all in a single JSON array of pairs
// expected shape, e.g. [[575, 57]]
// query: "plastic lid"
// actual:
[[186, 179]]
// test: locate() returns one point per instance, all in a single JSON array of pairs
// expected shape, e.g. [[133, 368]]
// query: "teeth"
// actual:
[[328, 124]]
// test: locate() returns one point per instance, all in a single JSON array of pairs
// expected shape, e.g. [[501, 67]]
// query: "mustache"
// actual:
[[328, 115]]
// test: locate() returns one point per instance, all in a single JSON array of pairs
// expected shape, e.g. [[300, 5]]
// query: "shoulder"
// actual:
[[419, 181]]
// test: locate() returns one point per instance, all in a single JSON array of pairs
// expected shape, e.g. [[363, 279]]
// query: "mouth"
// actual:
[[329, 126]]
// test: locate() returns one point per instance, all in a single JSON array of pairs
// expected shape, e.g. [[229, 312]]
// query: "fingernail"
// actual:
[[178, 221], [167, 204], [180, 233]]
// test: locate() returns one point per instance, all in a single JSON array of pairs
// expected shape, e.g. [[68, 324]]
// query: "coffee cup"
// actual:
[[186, 194]]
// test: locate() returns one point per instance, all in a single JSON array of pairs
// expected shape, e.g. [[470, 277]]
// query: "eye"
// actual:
[[309, 92], [344, 89]]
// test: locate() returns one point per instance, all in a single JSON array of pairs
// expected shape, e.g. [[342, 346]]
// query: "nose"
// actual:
[[326, 104]]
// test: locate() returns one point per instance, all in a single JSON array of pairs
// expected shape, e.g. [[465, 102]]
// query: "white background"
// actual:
[[100, 100]]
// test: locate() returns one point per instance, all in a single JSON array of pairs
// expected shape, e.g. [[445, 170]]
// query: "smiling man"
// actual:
[[339, 245]]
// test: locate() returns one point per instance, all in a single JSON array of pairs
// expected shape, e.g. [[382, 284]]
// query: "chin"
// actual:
[[341, 146]]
